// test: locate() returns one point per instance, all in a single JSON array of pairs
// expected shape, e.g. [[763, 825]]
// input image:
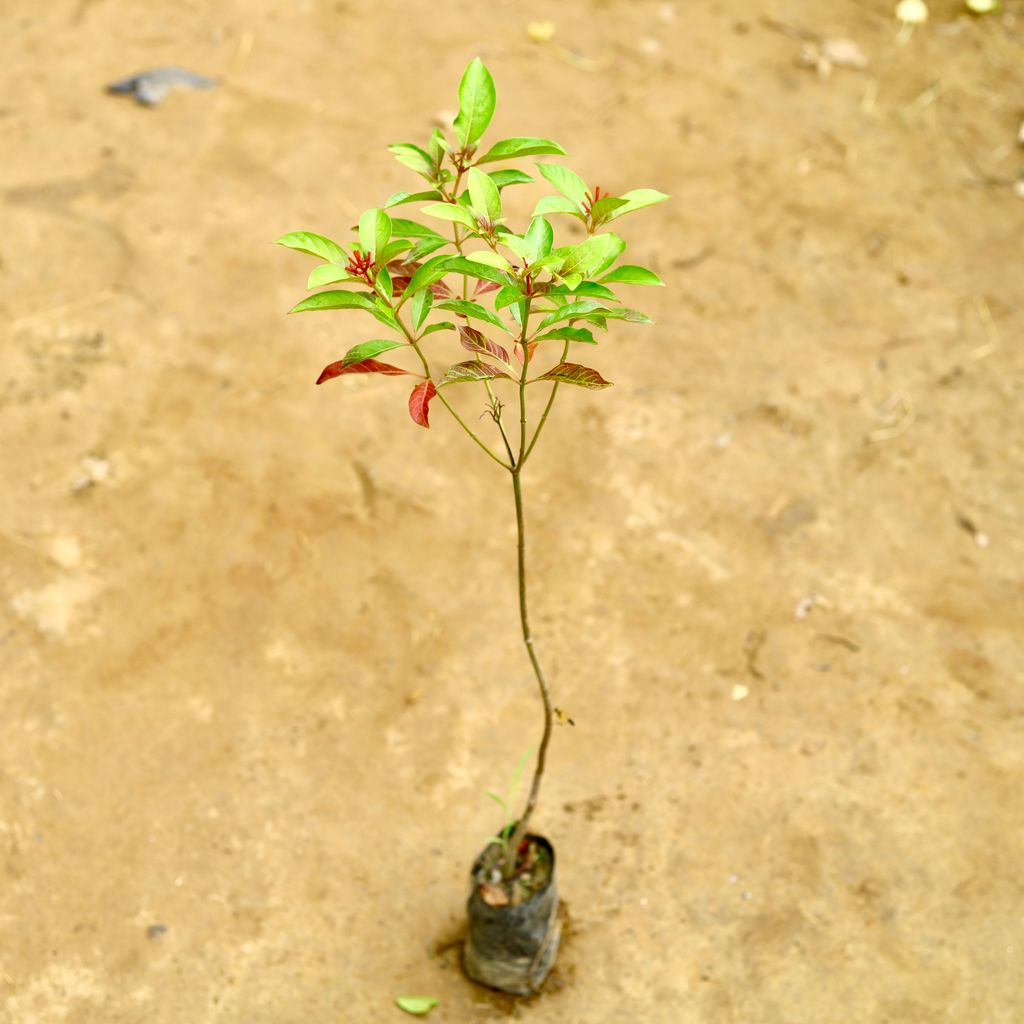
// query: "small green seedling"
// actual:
[[503, 837], [519, 304]]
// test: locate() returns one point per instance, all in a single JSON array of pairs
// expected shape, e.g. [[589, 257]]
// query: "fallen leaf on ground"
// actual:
[[493, 895], [418, 1005]]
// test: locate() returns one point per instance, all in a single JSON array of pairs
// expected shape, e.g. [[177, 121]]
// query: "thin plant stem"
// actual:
[[458, 239], [444, 401], [524, 618], [547, 408], [545, 693]]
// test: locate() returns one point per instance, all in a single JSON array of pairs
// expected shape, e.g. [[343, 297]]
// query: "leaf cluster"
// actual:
[[516, 301]]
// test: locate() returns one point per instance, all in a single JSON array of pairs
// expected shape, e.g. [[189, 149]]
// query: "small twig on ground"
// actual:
[[75, 306], [991, 331], [242, 51]]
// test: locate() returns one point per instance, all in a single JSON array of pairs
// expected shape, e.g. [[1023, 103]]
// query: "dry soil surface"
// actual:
[[258, 640]]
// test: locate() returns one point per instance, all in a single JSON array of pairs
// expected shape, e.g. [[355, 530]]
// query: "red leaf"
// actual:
[[471, 371], [483, 287], [472, 339], [573, 373], [366, 366], [519, 350], [419, 402]]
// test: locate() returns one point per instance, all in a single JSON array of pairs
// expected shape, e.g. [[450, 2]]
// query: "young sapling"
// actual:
[[519, 305]]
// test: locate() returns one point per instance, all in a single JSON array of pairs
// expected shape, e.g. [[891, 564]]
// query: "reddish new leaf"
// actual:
[[401, 274], [471, 371], [483, 287], [573, 373], [364, 366], [532, 346], [473, 340], [419, 402]]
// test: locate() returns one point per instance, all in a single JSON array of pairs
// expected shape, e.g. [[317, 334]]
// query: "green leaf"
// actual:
[[438, 145], [382, 312], [413, 157], [630, 274], [474, 268], [511, 176], [539, 238], [501, 803], [569, 183], [368, 349], [472, 309], [614, 252], [573, 373], [450, 211], [603, 209], [391, 250], [578, 334], [571, 310], [433, 270], [315, 245], [634, 316], [516, 243], [383, 284], [425, 247], [484, 196], [476, 103], [489, 259], [637, 200], [557, 204], [421, 303], [402, 228], [471, 370], [374, 230], [444, 325], [507, 295], [584, 290], [583, 259], [508, 149], [400, 198], [335, 300], [417, 1005], [329, 273]]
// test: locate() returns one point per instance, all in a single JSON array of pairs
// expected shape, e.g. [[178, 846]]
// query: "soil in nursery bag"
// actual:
[[513, 924]]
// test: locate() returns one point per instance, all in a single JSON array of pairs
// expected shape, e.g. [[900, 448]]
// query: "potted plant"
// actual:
[[520, 307]]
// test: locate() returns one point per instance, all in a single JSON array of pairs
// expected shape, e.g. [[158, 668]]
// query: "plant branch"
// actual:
[[444, 401], [547, 408], [458, 239]]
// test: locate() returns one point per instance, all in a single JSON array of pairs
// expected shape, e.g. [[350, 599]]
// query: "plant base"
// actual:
[[512, 948]]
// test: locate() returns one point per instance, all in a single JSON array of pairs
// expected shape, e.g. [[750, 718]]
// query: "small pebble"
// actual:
[[541, 31], [740, 692], [154, 931]]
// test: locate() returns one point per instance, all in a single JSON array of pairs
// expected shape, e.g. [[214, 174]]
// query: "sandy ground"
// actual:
[[254, 688]]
